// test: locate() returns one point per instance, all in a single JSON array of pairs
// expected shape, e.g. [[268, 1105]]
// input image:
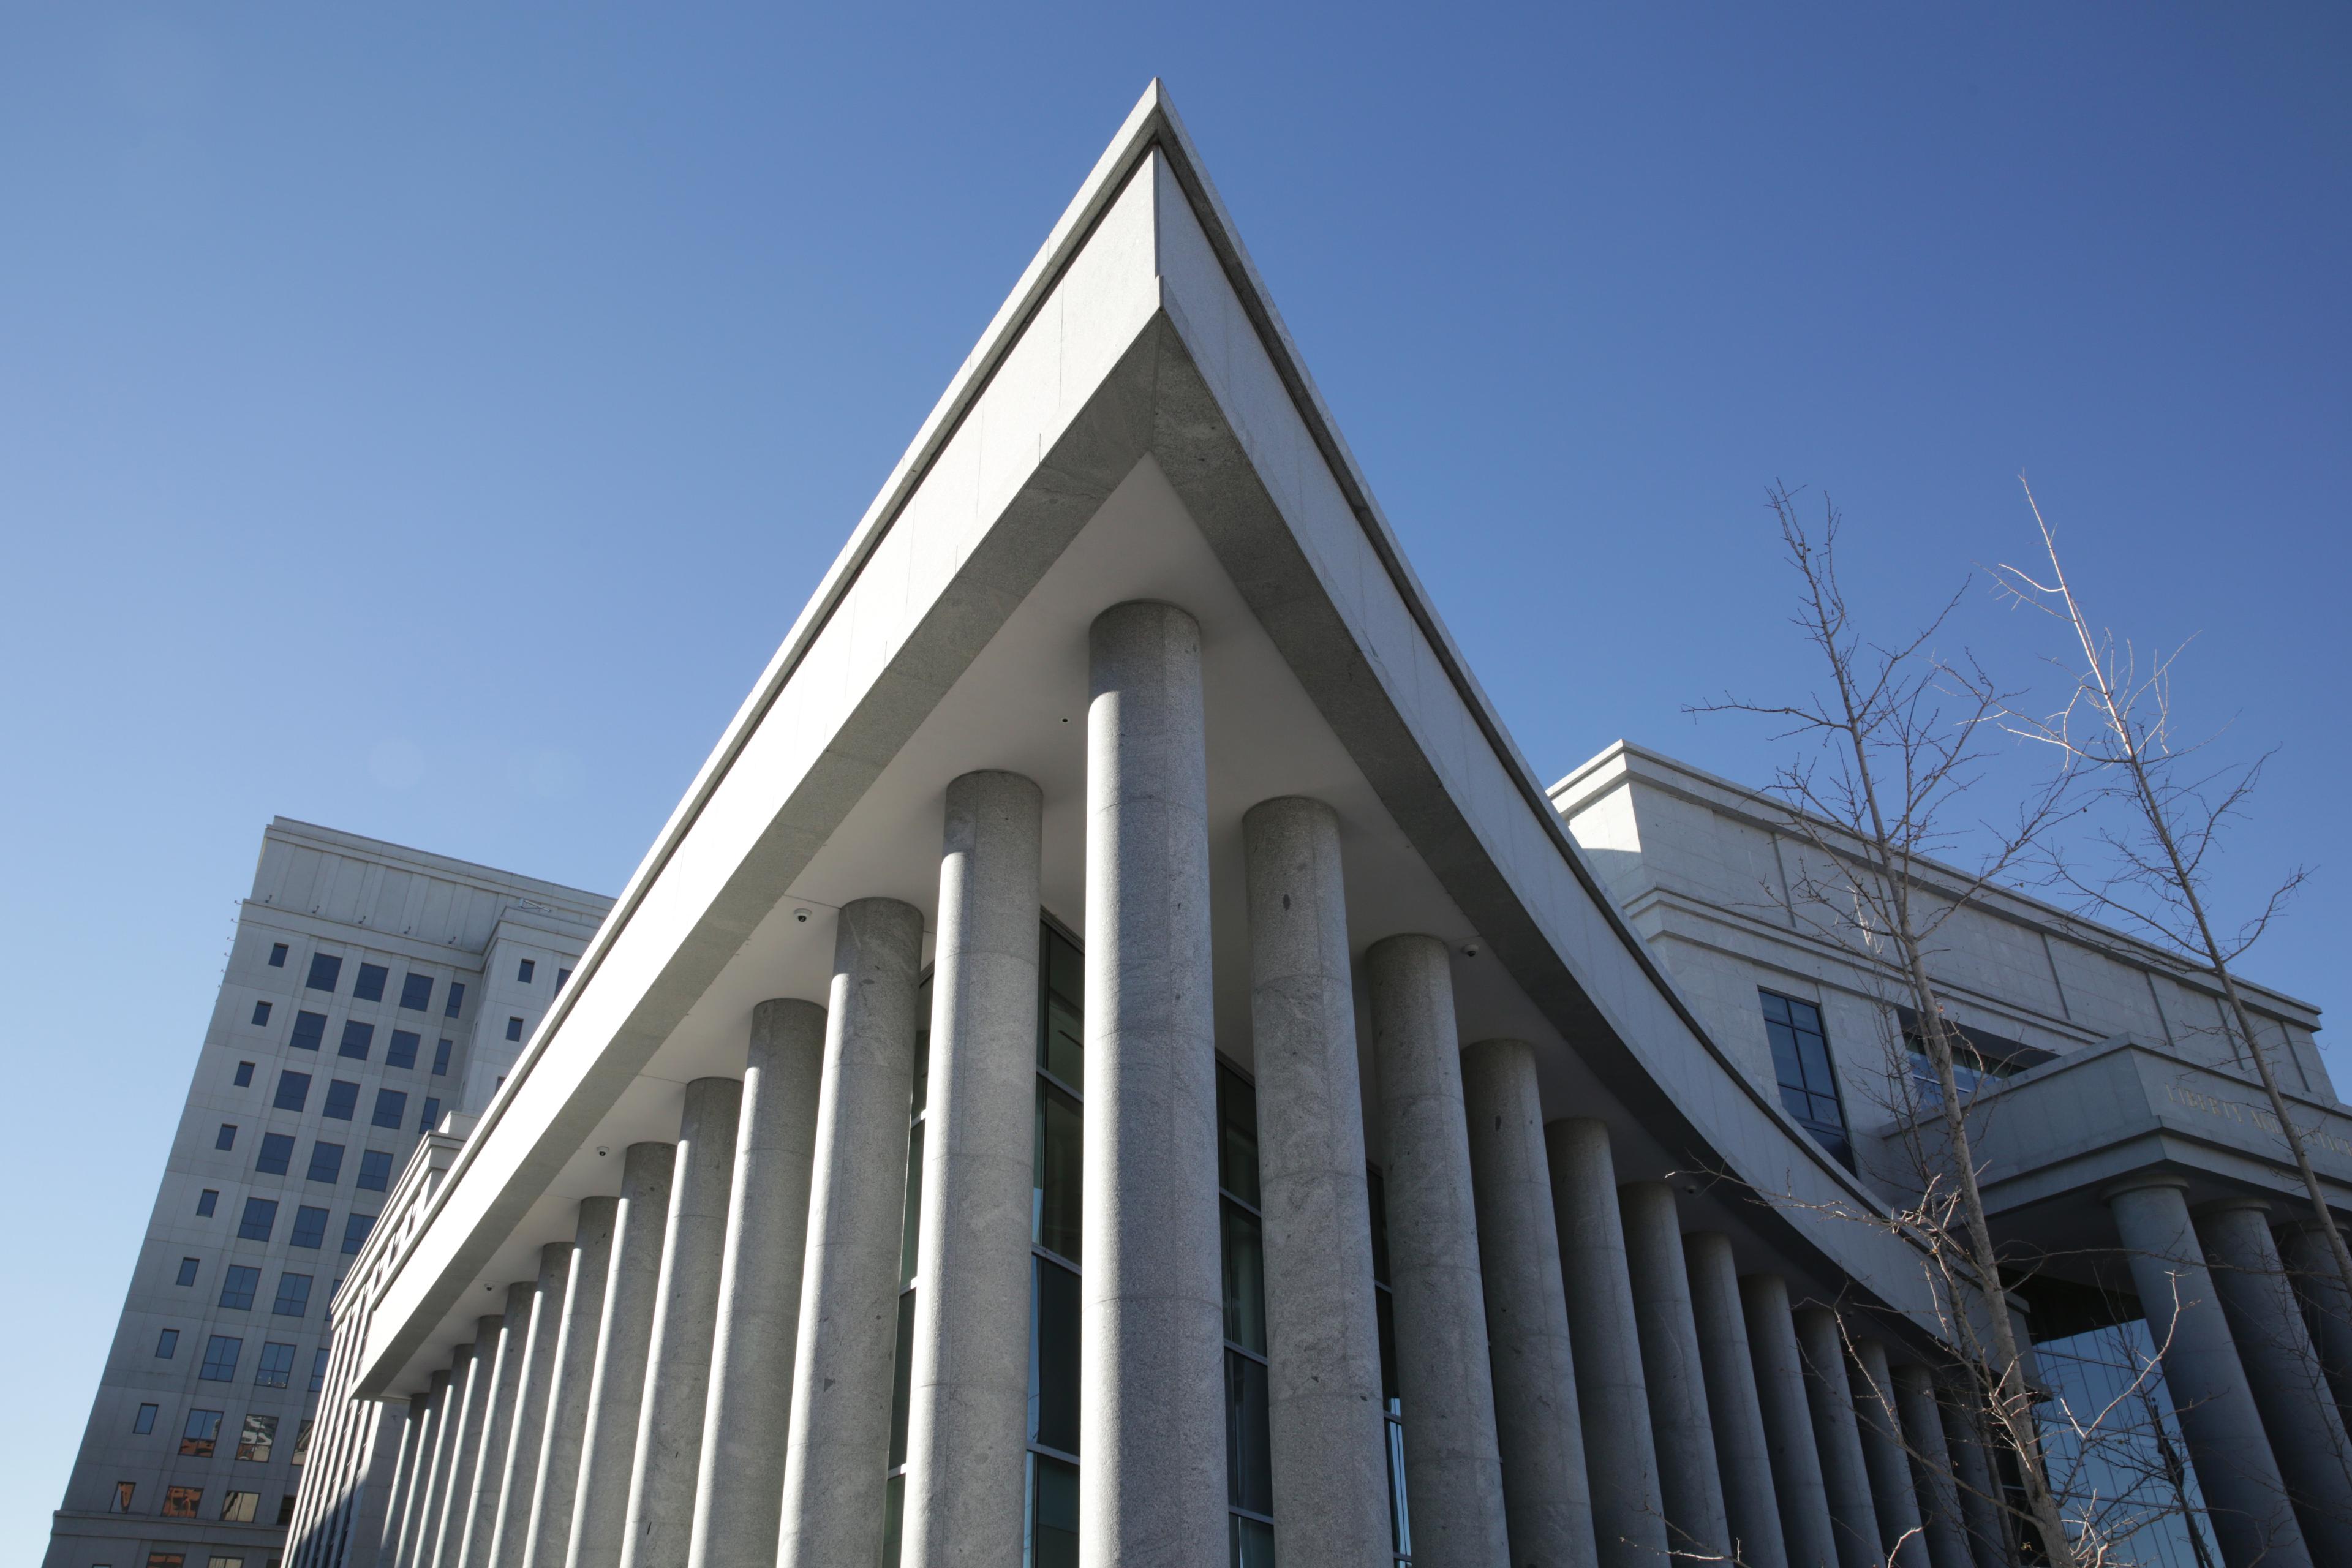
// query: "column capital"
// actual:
[[2142, 1180]]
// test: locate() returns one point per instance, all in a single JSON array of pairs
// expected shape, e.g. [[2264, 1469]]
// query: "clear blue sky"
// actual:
[[427, 420]]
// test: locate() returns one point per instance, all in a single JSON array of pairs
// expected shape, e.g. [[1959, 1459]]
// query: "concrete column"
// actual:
[[968, 1401], [849, 1336], [1547, 1496], [1933, 1475], [2283, 1373], [1981, 1517], [1681, 1426], [686, 1314], [1891, 1491], [739, 1498], [1331, 1483], [1845, 1474], [465, 1448], [413, 1455], [1743, 1457], [2241, 1480], [1805, 1528], [445, 1455], [417, 1515], [616, 1388], [498, 1426], [548, 1540], [2327, 1307], [1444, 1369], [1151, 1492], [1629, 1518], [519, 1477]]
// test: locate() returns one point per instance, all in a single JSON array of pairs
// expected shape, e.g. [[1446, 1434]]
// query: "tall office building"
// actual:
[[372, 993]]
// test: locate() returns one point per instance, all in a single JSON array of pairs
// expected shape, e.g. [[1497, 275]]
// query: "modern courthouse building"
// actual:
[[1118, 1060]]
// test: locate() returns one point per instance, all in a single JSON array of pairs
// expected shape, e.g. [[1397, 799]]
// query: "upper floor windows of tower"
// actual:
[[343, 1100], [167, 1344], [441, 1058], [226, 1137], [357, 1039], [198, 1436], [456, 999], [326, 1162], [293, 1091], [416, 993], [221, 1354], [238, 1285], [276, 955], [243, 1074], [1800, 1062], [369, 986], [207, 1201], [560, 976], [355, 1230], [293, 1296], [310, 1227], [325, 971], [260, 1219], [188, 1267], [309, 1028], [276, 1367], [376, 1171], [524, 971], [432, 1117], [402, 1052], [277, 1153], [145, 1422], [391, 1107], [260, 1013], [514, 1029]]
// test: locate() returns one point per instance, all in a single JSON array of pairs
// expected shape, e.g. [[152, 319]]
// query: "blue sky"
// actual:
[[427, 420]]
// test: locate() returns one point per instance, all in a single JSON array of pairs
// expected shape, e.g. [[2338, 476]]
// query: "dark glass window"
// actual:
[[188, 1267], [369, 986], [1249, 1463], [376, 1171], [260, 1218], [441, 1058], [416, 992], [1801, 1061], [167, 1344], [144, 1422], [286, 1508], [179, 1503], [357, 1039], [391, 1105], [244, 1079], [200, 1434], [260, 1435], [310, 1030], [310, 1227], [326, 1162], [276, 955], [238, 1285], [343, 1100], [276, 1367], [514, 1029], [432, 1117], [456, 999], [293, 1090], [524, 971], [293, 1296], [355, 1231], [226, 1137], [560, 976], [207, 1201], [260, 1013], [319, 1370], [277, 1153], [402, 1052], [324, 972], [239, 1508], [221, 1353]]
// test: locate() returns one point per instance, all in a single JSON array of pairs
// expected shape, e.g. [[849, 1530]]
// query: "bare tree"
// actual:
[[1893, 748], [2113, 734]]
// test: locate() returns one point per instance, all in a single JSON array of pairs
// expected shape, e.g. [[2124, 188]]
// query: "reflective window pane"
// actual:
[[1055, 1197], [1053, 1356]]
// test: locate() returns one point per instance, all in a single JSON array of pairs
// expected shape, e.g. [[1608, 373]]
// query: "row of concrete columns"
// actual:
[[702, 1377]]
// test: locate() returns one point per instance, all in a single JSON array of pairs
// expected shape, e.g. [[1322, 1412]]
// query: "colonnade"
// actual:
[[707, 1375]]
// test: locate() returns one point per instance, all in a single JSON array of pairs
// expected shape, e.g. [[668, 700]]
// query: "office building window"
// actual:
[[293, 1296], [285, 1515], [376, 1171], [357, 1039], [309, 1031], [326, 1162], [355, 1231], [260, 1435], [1801, 1061], [293, 1090], [391, 1108], [221, 1353], [514, 1029], [239, 1508], [180, 1502], [123, 1492], [432, 1117], [207, 1201], [188, 1267], [456, 999], [1249, 1465], [260, 1218], [1391, 1401], [201, 1434], [402, 1052], [369, 986], [310, 1227], [226, 1137], [260, 1013], [244, 1076], [560, 976], [441, 1058], [324, 972], [416, 992], [238, 1285], [276, 955], [319, 1370], [1055, 1257], [167, 1344], [277, 1153], [276, 1367], [144, 1422], [524, 971], [342, 1099]]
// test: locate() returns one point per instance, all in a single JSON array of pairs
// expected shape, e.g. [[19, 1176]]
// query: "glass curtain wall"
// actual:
[[1249, 1464], [1051, 1528], [894, 1496], [1392, 1403]]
